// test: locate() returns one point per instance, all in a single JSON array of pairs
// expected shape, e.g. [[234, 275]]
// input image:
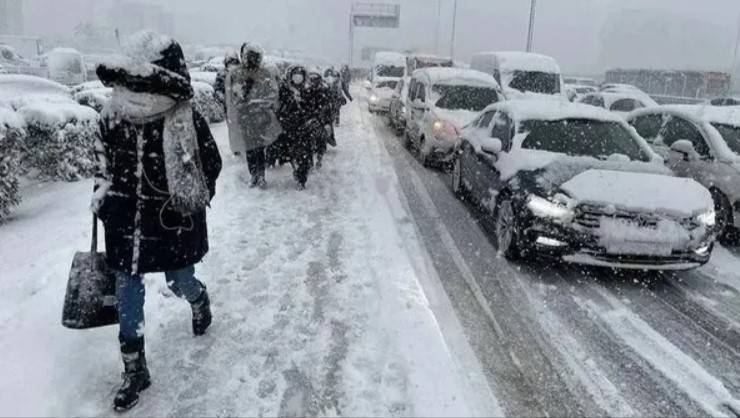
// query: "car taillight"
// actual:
[[445, 128]]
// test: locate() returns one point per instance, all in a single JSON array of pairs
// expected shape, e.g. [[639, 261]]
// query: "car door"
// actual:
[[471, 161], [488, 178], [675, 129], [409, 104], [418, 111]]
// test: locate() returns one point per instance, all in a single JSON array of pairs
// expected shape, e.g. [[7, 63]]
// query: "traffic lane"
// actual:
[[637, 379]]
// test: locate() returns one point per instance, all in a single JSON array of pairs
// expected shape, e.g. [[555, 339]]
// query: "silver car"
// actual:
[[703, 143]]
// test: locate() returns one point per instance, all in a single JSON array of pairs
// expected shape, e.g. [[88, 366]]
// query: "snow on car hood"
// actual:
[[383, 92], [640, 191], [459, 117]]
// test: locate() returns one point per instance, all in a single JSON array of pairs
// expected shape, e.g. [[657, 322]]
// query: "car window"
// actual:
[[678, 129], [421, 92], [412, 90], [648, 126], [485, 120], [594, 100], [459, 97], [625, 105], [535, 82], [717, 102], [582, 137], [503, 129], [731, 136]]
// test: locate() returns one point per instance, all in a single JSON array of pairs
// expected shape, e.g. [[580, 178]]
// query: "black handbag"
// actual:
[[90, 301]]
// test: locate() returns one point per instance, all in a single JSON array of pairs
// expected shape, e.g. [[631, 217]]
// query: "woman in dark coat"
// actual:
[[157, 170], [319, 100], [298, 121]]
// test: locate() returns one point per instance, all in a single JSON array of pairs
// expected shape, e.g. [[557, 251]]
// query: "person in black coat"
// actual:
[[156, 174], [319, 100], [340, 92], [298, 122]]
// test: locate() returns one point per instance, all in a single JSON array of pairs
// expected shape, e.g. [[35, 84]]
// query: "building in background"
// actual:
[[11, 17], [133, 16]]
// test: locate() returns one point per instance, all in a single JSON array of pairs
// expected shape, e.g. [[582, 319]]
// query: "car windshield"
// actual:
[[582, 137], [388, 84], [535, 82], [389, 71], [731, 135], [464, 97]]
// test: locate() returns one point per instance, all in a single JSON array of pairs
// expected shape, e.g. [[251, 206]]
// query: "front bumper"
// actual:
[[442, 150], [581, 246], [382, 105]]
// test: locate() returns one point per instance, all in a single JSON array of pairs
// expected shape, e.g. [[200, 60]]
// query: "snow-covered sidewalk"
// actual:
[[317, 301]]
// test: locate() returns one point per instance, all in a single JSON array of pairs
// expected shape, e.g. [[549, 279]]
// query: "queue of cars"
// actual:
[[615, 180]]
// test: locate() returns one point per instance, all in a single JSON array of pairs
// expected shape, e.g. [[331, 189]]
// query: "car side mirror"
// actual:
[[492, 146], [685, 148]]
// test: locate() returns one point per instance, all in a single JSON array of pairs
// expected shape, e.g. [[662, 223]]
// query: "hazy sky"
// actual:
[[670, 33]]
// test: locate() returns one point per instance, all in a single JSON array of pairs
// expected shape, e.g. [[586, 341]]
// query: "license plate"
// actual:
[[640, 248]]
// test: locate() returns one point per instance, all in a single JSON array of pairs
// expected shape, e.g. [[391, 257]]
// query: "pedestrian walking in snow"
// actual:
[[252, 97], [298, 122], [156, 174], [230, 61], [319, 102], [340, 93]]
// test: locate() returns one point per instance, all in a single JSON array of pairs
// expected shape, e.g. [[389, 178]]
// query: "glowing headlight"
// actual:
[[708, 218], [543, 208], [373, 98], [438, 125]]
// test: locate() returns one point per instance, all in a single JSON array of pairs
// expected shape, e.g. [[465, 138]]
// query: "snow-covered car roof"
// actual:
[[389, 58], [457, 76], [611, 97], [509, 61], [729, 115], [549, 110]]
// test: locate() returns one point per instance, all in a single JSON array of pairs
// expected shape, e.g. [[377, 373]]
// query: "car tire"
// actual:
[[506, 230], [728, 234], [458, 185]]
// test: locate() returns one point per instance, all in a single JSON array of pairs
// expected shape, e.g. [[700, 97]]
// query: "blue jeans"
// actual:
[[130, 293]]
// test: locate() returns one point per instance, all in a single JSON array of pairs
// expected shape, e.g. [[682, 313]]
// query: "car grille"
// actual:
[[590, 216]]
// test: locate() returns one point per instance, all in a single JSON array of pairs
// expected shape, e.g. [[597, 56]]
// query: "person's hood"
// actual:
[[644, 192], [152, 63]]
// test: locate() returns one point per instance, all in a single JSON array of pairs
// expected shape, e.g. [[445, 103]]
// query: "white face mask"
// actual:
[[297, 79]]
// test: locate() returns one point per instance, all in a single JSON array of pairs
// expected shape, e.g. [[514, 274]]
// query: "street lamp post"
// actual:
[[439, 24], [530, 34], [454, 31]]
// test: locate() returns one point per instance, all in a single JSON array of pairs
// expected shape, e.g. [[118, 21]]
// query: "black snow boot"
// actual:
[[136, 377], [202, 317]]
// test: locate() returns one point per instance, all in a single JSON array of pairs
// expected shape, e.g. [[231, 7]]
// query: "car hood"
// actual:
[[644, 192]]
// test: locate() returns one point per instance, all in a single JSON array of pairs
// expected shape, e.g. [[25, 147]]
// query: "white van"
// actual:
[[521, 74], [66, 66], [388, 65]]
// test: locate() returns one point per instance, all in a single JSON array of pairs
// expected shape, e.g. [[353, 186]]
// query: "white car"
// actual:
[[380, 94], [703, 143], [522, 74], [440, 102], [620, 103], [575, 183]]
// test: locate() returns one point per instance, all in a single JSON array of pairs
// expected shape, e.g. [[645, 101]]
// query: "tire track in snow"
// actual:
[[685, 372]]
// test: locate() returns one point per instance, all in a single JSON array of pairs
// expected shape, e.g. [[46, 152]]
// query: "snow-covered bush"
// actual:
[[206, 103], [59, 140], [11, 140]]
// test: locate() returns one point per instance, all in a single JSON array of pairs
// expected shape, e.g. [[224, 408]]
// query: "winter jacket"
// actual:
[[320, 101], [143, 234], [251, 100]]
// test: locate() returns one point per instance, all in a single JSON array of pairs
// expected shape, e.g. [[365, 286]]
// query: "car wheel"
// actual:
[[728, 234], [506, 230], [458, 186]]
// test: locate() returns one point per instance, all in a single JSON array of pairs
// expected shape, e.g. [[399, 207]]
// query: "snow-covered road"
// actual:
[[374, 292], [569, 341], [322, 299]]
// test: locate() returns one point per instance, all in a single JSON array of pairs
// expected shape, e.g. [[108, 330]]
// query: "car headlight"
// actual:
[[708, 218], [373, 98], [543, 208], [445, 129]]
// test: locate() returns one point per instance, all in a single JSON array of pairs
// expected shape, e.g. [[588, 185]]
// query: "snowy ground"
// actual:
[[321, 302], [374, 292]]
